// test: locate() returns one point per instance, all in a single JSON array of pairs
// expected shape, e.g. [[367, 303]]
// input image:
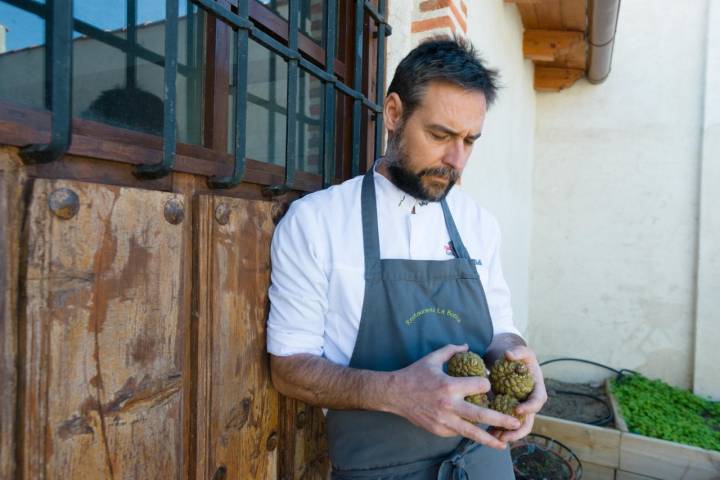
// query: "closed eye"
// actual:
[[437, 136]]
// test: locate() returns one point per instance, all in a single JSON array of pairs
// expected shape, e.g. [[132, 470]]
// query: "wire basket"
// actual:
[[537, 457]]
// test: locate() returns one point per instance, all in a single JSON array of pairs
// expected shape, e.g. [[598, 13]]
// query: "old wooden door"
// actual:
[[140, 337], [133, 306]]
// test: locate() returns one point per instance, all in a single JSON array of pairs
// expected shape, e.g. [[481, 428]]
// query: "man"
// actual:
[[377, 282]]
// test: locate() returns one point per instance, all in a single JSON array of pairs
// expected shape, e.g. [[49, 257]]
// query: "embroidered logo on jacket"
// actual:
[[450, 251]]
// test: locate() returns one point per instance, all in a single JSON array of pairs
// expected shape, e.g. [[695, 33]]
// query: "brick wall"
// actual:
[[438, 17]]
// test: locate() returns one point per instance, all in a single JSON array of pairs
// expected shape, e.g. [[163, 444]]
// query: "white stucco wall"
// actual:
[[499, 174], [614, 245], [706, 380]]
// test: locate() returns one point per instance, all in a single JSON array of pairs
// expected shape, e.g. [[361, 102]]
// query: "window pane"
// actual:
[[22, 56], [266, 107], [311, 15], [311, 19], [311, 104], [118, 66]]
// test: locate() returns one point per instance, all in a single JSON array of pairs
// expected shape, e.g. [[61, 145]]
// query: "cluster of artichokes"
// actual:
[[511, 381]]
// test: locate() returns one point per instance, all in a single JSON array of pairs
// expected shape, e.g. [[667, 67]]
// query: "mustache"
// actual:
[[447, 172]]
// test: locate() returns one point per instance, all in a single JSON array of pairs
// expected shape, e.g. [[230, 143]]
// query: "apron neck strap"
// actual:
[[457, 244], [371, 238]]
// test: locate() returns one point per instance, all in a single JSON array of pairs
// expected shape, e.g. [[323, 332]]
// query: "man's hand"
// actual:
[[435, 401], [534, 402]]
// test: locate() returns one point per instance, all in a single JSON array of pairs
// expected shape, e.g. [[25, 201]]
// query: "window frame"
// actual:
[[21, 125]]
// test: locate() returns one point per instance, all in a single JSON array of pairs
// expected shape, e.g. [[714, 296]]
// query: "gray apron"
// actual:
[[411, 308]]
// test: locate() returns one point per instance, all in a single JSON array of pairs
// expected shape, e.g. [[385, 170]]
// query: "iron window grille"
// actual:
[[59, 31]]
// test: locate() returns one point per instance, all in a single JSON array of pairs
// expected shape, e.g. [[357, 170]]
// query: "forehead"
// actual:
[[452, 105]]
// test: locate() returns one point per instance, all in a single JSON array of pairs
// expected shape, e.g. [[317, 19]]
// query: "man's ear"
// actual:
[[392, 112]]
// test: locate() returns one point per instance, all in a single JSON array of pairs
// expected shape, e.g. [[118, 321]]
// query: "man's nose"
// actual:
[[455, 155]]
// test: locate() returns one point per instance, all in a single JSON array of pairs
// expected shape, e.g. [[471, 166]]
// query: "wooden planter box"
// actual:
[[610, 454]]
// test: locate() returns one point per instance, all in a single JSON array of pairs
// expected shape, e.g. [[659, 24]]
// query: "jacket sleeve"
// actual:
[[299, 284]]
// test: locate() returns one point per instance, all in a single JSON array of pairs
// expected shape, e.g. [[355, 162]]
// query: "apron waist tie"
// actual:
[[453, 467]]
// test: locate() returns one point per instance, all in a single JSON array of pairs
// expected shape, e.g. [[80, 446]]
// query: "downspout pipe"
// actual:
[[603, 26]]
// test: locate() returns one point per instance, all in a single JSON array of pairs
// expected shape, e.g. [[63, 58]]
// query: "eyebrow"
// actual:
[[449, 131]]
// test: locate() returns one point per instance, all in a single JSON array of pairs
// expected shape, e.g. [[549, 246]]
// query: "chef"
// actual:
[[379, 281]]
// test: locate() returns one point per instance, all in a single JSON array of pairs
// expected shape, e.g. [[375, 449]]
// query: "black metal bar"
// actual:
[[357, 86], [193, 89], [269, 42], [379, 16], [303, 81], [240, 76], [272, 105], [371, 105], [162, 168], [61, 51], [130, 58], [348, 91], [47, 86], [275, 108], [328, 150], [292, 94], [235, 21], [317, 71], [380, 81]]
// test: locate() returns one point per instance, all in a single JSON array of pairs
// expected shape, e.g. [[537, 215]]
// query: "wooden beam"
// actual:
[[551, 45], [553, 79], [574, 14], [549, 15], [528, 15], [524, 1]]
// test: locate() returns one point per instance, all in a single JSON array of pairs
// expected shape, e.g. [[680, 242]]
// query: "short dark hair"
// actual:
[[444, 59]]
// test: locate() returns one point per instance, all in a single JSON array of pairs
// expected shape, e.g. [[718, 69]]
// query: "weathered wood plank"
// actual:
[[553, 79], [237, 406], [620, 475], [667, 460], [618, 418], [104, 353], [591, 444], [184, 184], [311, 450], [593, 471], [12, 179]]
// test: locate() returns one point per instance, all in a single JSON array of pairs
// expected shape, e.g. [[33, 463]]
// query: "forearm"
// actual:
[[319, 382], [500, 344]]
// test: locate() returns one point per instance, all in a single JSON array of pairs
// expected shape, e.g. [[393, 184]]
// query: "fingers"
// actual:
[[519, 353], [486, 416], [515, 435], [445, 353], [477, 434], [534, 402], [470, 385]]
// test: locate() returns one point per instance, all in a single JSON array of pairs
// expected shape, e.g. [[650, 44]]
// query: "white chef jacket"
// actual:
[[318, 262]]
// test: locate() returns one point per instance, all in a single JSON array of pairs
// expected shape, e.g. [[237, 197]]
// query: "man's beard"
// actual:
[[396, 160]]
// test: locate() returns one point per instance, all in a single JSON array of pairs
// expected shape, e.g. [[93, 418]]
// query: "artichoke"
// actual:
[[469, 364], [480, 399], [466, 364], [511, 378], [506, 404]]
